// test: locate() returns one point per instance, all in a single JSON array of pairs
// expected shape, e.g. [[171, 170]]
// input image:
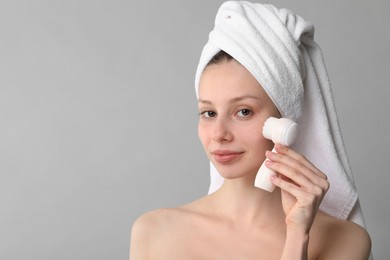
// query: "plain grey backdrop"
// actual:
[[98, 118]]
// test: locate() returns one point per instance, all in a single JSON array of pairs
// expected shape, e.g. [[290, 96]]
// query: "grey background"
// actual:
[[98, 116]]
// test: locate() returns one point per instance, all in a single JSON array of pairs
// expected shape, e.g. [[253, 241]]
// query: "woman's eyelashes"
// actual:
[[242, 114], [207, 114]]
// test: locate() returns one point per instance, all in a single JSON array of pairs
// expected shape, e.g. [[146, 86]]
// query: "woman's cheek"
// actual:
[[254, 137], [203, 135]]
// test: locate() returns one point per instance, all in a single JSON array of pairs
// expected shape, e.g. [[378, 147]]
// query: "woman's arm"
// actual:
[[296, 245], [303, 187]]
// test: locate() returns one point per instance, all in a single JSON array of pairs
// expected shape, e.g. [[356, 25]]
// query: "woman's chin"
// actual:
[[231, 175]]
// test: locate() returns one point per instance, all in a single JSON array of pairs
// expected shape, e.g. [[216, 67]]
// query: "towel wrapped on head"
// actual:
[[278, 49]]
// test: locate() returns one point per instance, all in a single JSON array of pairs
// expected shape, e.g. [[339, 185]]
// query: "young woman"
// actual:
[[240, 221]]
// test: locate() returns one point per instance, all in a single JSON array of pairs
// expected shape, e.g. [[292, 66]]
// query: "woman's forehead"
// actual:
[[229, 79]]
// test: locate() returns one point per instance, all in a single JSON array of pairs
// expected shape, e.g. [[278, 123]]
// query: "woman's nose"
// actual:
[[222, 131]]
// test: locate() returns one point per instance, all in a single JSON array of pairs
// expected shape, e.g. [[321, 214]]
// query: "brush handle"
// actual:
[[262, 180]]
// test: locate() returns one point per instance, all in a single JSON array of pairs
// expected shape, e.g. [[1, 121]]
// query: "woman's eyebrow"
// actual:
[[233, 100], [237, 99], [204, 101]]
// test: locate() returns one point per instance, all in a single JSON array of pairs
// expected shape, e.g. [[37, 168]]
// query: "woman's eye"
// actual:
[[244, 113], [208, 114]]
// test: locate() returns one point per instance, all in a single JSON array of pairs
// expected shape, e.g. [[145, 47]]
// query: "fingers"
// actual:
[[303, 186], [295, 159], [306, 199], [284, 150], [298, 169], [288, 174]]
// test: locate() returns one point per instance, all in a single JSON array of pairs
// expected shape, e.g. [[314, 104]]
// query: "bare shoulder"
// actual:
[[153, 223], [148, 230], [153, 219], [161, 228], [167, 218], [340, 239]]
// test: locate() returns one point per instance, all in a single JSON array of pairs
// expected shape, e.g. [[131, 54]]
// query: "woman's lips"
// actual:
[[225, 156]]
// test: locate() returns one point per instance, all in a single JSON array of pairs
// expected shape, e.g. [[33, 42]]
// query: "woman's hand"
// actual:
[[302, 185]]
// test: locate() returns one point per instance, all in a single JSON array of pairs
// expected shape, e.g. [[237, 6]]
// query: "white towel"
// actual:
[[277, 48]]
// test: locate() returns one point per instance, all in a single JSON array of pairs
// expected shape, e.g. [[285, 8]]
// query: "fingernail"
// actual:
[[269, 154], [279, 147], [268, 162]]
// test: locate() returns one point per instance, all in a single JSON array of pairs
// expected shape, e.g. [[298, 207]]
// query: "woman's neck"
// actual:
[[239, 201]]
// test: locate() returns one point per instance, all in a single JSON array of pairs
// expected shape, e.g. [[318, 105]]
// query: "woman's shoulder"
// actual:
[[157, 220], [148, 232], [340, 239], [162, 227], [164, 217]]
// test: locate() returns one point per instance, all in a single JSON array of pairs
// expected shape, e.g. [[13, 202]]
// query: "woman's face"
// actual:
[[233, 108]]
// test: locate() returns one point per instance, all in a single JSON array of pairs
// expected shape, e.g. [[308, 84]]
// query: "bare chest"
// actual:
[[216, 242]]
